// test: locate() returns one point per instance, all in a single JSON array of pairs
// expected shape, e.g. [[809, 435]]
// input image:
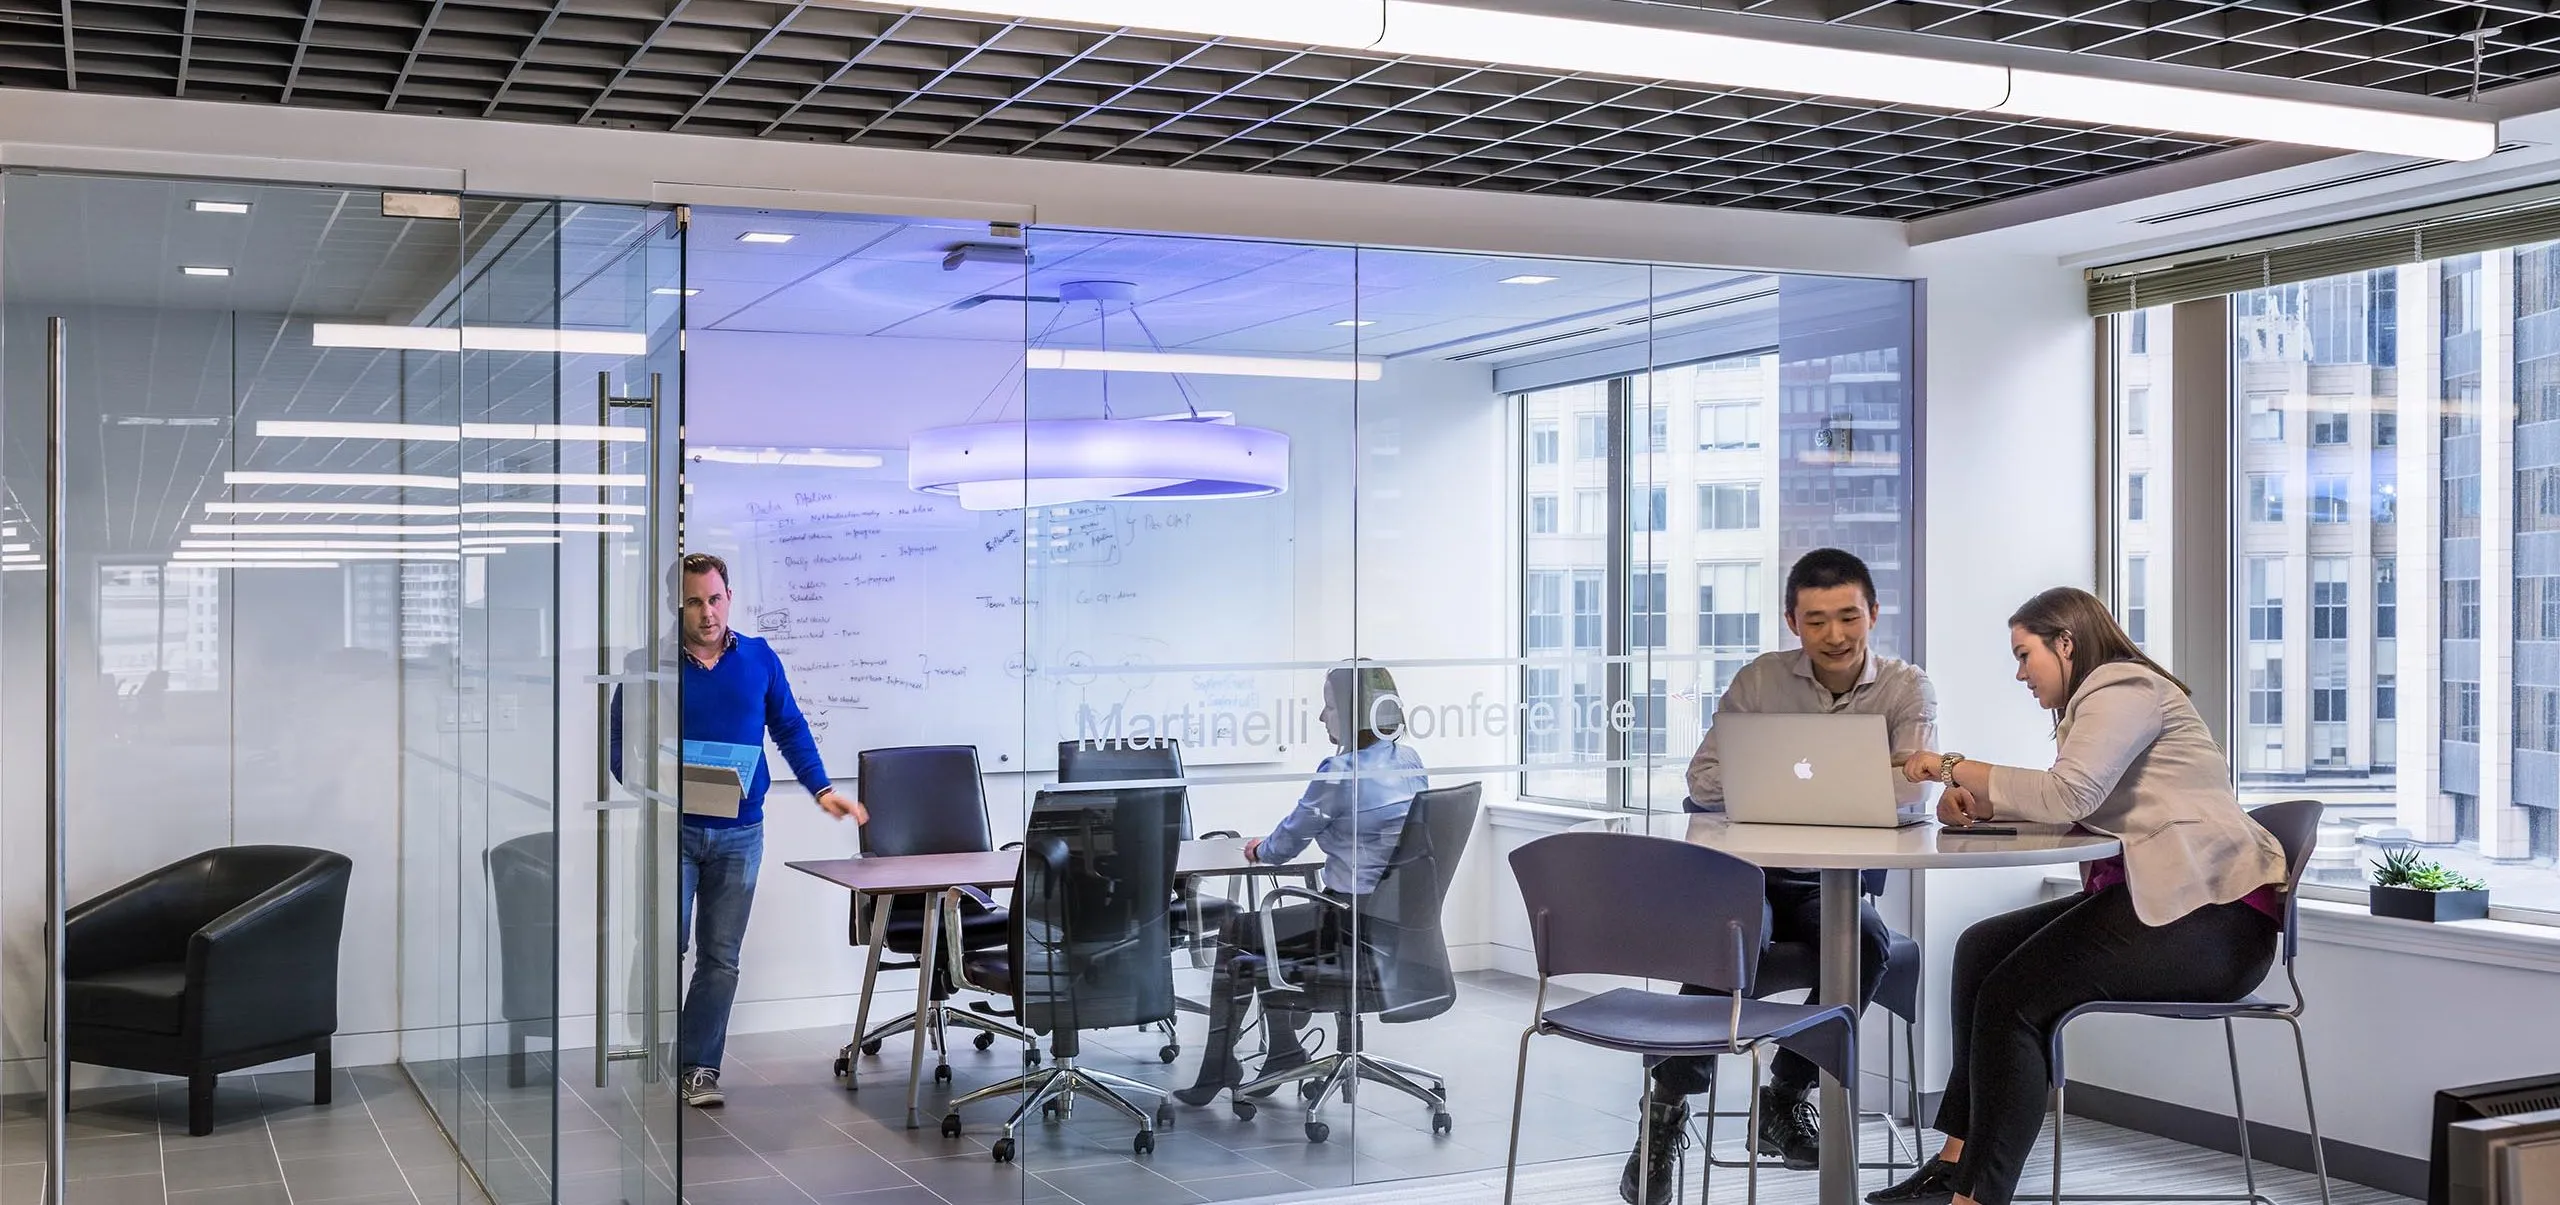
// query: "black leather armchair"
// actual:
[[225, 960]]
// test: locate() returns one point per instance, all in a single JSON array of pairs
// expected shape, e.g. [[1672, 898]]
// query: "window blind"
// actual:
[[2488, 223]]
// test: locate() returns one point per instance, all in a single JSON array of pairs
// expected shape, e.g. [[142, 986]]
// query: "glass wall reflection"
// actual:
[[1025, 497]]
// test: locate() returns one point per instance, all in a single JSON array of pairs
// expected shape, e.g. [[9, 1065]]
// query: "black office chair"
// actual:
[[524, 884], [924, 799], [1092, 911], [1197, 919], [1385, 957], [213, 963]]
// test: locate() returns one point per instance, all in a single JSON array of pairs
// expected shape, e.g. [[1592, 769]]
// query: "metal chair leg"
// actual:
[[1751, 1189], [2240, 1108], [2310, 1112], [1519, 1094]]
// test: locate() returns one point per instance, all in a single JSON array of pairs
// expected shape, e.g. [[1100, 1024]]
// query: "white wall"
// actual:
[[2010, 509]]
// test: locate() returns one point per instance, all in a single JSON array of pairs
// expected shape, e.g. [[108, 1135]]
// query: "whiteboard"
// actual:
[[904, 620]]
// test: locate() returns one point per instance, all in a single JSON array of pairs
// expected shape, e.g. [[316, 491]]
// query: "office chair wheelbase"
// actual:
[[1338, 1074], [1053, 1090], [989, 1028]]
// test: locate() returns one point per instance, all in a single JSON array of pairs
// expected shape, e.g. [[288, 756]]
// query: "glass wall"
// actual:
[[331, 457], [2343, 389], [1532, 514]]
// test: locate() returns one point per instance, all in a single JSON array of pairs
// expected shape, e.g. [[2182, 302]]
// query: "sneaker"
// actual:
[[1790, 1129], [701, 1088], [1667, 1124]]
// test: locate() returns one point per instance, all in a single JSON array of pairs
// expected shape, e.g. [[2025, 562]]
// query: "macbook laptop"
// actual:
[[1834, 769]]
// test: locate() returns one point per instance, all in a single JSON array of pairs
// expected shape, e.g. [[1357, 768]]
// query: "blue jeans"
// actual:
[[716, 866]]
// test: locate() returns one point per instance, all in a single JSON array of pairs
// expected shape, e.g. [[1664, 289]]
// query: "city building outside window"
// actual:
[[1542, 514]]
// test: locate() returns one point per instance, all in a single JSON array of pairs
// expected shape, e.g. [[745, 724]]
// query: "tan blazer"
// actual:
[[2135, 761]]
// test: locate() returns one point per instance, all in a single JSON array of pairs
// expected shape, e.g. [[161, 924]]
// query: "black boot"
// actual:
[[1665, 1132], [1790, 1130], [1219, 1071], [1933, 1184]]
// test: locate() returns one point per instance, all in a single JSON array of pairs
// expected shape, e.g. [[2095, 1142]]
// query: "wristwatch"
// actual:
[[1947, 763]]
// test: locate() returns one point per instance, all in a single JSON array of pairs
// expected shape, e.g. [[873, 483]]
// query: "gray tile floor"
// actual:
[[792, 1134], [374, 1144]]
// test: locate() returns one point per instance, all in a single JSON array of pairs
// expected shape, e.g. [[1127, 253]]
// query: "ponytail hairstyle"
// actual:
[[2096, 638]]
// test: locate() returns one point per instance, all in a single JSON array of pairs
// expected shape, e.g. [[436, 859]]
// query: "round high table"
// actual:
[[1839, 854]]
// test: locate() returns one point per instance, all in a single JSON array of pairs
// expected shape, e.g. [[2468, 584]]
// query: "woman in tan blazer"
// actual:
[[2188, 912]]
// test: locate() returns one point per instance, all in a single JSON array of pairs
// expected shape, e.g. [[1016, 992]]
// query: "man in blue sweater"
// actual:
[[733, 691]]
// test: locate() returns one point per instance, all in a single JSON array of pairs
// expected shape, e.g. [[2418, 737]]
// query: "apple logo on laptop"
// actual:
[[1804, 769]]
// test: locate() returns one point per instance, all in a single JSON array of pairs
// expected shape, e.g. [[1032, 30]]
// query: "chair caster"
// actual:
[[1168, 1053], [1442, 1123], [871, 1047], [1318, 1131], [942, 1073], [950, 1125], [983, 1040], [1146, 1142], [1003, 1150], [1049, 1112], [1030, 1056], [1309, 1090], [1245, 1110], [844, 1066], [1164, 1116]]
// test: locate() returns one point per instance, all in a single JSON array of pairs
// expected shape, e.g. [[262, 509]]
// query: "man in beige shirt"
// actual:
[[1831, 608]]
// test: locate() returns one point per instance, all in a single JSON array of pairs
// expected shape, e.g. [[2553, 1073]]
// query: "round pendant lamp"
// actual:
[[1191, 454]]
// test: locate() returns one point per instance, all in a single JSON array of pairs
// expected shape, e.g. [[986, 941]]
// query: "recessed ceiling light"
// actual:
[[1529, 278], [673, 292], [415, 481], [766, 236], [1356, 322], [328, 508], [204, 270], [219, 206]]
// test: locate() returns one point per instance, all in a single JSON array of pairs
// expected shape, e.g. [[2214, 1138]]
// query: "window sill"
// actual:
[[2499, 943], [1527, 816]]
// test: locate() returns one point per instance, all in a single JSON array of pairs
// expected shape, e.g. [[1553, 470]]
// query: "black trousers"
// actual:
[[1304, 930], [2017, 973], [1793, 913]]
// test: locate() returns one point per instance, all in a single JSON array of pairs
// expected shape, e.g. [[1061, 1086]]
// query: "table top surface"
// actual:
[[1919, 847], [912, 873]]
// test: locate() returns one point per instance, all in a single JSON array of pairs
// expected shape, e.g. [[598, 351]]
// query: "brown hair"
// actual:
[[2096, 638], [694, 562]]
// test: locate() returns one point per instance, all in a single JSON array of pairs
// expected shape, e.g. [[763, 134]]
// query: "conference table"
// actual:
[[1840, 854], [942, 875]]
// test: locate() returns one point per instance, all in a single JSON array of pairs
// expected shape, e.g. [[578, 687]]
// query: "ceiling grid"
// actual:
[[900, 77]]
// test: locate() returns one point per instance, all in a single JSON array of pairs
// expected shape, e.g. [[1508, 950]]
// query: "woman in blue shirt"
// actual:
[[1353, 811]]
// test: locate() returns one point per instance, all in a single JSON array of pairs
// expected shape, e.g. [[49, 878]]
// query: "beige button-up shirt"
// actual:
[[2135, 761], [1782, 682]]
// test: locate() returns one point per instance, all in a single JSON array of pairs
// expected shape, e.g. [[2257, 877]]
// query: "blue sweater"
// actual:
[[738, 701]]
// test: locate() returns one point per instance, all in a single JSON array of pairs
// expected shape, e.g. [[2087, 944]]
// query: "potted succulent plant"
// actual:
[[2410, 888]]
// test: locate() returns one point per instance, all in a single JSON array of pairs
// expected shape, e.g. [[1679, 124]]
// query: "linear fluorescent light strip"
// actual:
[[805, 458], [330, 508], [415, 481], [193, 564], [502, 507], [570, 479], [1200, 363], [445, 544], [296, 554], [479, 338], [325, 529], [278, 428], [1601, 47], [471, 542], [602, 529]]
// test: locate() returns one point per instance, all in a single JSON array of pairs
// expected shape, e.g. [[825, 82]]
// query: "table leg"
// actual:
[[870, 976], [925, 951], [1840, 916]]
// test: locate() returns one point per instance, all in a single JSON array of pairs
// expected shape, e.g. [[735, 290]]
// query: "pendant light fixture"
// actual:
[[1189, 454]]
